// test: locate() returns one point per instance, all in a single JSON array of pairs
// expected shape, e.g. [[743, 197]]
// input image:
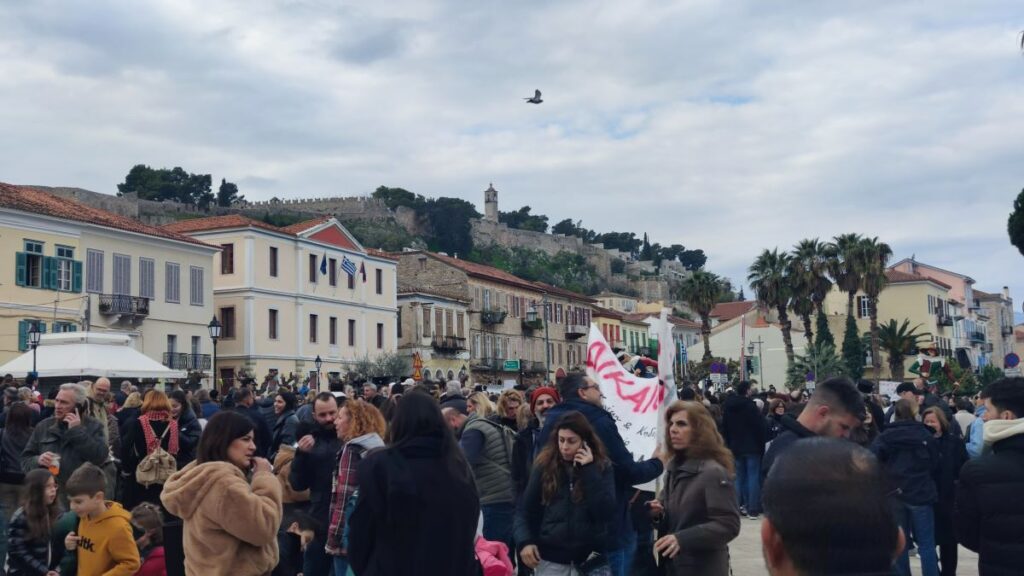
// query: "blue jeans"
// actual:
[[748, 483], [340, 564], [920, 520], [498, 519], [621, 560]]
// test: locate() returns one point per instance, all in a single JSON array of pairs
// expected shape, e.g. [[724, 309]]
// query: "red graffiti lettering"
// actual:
[[594, 352]]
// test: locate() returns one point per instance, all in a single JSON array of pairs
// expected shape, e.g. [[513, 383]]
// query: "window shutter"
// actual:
[[22, 331], [72, 327], [21, 268], [50, 272], [76, 276]]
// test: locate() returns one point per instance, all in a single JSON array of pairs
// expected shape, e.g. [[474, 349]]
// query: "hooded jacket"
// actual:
[[743, 427], [106, 544], [230, 526], [910, 455], [792, 430], [989, 510]]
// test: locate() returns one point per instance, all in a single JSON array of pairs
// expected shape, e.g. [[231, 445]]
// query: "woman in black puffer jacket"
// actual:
[[569, 503]]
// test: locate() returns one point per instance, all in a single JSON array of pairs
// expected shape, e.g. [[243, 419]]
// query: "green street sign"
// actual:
[[511, 366]]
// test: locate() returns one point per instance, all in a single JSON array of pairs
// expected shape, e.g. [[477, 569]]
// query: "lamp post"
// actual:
[[318, 363], [760, 359], [33, 340], [531, 315], [214, 327]]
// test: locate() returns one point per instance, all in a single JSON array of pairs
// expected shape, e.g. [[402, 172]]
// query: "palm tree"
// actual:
[[814, 256], [701, 291], [874, 257], [899, 341], [769, 279], [844, 266], [820, 360]]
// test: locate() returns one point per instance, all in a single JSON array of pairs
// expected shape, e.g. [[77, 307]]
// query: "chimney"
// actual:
[[1006, 293]]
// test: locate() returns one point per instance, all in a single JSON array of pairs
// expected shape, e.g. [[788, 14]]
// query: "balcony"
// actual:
[[119, 305], [989, 347], [492, 316], [1006, 330], [182, 361], [944, 320], [448, 344], [531, 325], [492, 364], [574, 331], [977, 337]]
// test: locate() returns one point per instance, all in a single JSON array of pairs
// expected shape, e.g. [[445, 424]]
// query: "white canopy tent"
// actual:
[[80, 354]]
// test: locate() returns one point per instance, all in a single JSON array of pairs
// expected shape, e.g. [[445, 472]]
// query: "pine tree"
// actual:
[[853, 350]]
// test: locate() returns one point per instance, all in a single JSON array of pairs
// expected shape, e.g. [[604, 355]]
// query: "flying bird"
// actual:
[[536, 98]]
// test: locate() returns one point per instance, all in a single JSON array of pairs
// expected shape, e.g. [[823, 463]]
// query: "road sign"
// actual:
[[511, 366], [1011, 360]]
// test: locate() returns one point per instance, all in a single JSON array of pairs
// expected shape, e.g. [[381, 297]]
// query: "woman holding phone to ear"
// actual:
[[569, 503]]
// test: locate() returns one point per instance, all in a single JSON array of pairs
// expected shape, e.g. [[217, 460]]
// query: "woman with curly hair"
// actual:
[[569, 502], [508, 408], [480, 404], [698, 509], [361, 427]]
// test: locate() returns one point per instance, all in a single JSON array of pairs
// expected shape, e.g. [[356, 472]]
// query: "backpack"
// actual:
[[157, 466]]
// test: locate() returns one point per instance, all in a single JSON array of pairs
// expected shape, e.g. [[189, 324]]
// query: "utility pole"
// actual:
[[88, 313]]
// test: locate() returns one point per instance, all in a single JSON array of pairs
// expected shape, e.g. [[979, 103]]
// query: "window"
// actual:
[[172, 343], [147, 280], [197, 343], [172, 281], [449, 324], [94, 271], [332, 331], [351, 332], [227, 320], [438, 322], [29, 265], [460, 330], [272, 319], [499, 351], [62, 327], [312, 268], [380, 335], [273, 261], [426, 321], [227, 258], [65, 268], [487, 299], [399, 323], [122, 274], [476, 346], [351, 281], [312, 327], [559, 346], [863, 307], [195, 285], [332, 272], [516, 307], [379, 278]]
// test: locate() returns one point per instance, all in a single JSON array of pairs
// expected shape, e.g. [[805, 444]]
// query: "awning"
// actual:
[[95, 354]]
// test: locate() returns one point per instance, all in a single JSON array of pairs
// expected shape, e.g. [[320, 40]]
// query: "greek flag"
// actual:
[[348, 266]]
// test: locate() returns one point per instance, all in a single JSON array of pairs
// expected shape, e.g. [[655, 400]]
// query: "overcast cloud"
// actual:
[[727, 126]]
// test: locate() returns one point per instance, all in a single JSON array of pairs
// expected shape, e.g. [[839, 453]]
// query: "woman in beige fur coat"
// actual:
[[230, 522]]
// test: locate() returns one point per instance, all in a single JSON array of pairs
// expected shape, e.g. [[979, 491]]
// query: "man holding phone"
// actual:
[[66, 440]]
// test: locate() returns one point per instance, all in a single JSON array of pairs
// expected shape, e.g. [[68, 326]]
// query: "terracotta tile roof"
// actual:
[[728, 310], [381, 254], [897, 277], [300, 227], [684, 322], [485, 272], [27, 199], [676, 320], [220, 222], [600, 312], [563, 292]]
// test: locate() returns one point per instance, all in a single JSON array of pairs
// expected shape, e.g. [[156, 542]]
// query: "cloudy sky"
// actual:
[[727, 126]]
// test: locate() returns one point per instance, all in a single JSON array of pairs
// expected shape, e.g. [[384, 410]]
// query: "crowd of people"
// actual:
[[427, 478]]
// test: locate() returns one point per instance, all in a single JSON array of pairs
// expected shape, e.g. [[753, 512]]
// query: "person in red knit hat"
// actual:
[[525, 449]]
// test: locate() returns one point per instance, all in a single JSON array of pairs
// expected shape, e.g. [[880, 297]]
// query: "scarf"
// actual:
[[152, 440]]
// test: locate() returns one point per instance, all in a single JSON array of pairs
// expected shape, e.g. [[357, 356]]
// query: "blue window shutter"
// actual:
[[21, 268], [42, 327], [76, 276], [49, 273], [22, 335], [72, 327]]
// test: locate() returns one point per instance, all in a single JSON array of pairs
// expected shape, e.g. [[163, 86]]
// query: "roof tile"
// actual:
[[897, 277], [726, 311], [220, 222]]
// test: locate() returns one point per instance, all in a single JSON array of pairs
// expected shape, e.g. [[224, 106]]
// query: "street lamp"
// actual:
[[214, 327], [760, 359], [531, 315], [318, 363], [33, 340]]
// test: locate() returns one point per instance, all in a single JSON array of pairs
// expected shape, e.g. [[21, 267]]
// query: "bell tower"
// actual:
[[491, 204]]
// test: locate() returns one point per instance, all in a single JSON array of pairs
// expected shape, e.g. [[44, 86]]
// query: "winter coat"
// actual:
[[415, 516], [209, 409], [12, 444], [773, 427], [701, 510], [792, 430], [628, 472], [952, 457], [27, 556], [76, 446], [283, 431], [989, 509], [524, 452], [112, 433], [153, 563], [230, 526], [346, 481], [743, 426], [107, 545], [313, 471], [125, 416], [910, 455], [189, 431], [493, 468], [134, 449], [564, 531]]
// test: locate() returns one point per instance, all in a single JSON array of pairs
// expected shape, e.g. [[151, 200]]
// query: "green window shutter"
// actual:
[[72, 327], [22, 335], [21, 268], [49, 273], [42, 327], [76, 276]]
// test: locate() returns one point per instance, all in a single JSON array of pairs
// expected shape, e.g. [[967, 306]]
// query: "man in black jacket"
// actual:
[[245, 403], [313, 470], [744, 430], [989, 512], [835, 409]]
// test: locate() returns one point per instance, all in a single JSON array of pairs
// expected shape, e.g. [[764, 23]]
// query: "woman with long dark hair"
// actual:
[[189, 428], [230, 523], [952, 456], [31, 551], [285, 422], [569, 502], [13, 438], [417, 508], [698, 508]]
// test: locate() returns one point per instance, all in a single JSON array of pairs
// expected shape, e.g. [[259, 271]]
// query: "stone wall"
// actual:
[[358, 206], [486, 233]]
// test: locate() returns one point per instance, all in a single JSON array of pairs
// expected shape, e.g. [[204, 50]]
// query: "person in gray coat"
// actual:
[[67, 439], [698, 508]]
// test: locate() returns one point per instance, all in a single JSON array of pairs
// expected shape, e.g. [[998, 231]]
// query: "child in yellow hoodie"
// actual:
[[104, 541]]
